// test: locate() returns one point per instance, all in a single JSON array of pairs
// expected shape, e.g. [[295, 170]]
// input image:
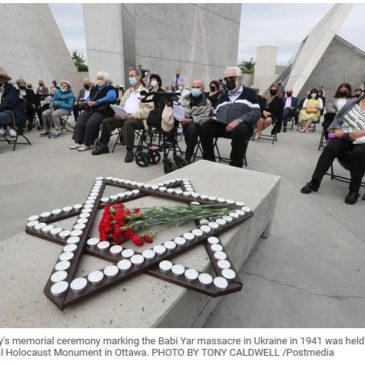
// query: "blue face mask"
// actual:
[[196, 92], [132, 81]]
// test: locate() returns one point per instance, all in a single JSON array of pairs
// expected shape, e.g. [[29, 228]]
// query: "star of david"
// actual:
[[63, 289]]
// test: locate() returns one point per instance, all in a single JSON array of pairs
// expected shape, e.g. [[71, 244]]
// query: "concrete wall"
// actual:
[[200, 39], [32, 46], [265, 67], [342, 62]]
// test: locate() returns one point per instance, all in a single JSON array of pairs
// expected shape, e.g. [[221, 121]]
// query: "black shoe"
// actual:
[[284, 130], [309, 187], [100, 150], [40, 127], [351, 197], [44, 134], [129, 157]]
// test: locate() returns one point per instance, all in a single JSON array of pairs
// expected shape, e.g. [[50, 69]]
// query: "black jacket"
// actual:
[[10, 101]]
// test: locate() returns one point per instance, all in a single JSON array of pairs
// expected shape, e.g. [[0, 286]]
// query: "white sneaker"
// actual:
[[12, 132], [75, 146], [83, 148], [2, 131]]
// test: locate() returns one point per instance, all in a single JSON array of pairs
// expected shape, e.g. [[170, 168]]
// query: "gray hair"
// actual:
[[138, 71], [236, 69], [103, 74]]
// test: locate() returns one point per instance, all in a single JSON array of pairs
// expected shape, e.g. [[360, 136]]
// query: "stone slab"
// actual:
[[142, 301]]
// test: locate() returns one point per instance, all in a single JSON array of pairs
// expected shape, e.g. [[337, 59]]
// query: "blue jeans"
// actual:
[[5, 119]]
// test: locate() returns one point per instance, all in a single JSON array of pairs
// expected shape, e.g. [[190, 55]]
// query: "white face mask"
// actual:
[[63, 89], [313, 95], [154, 83]]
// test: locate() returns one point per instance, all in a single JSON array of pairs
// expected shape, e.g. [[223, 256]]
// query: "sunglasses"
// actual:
[[232, 78]]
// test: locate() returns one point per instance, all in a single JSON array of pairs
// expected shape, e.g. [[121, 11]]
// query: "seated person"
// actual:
[[61, 104], [272, 114], [83, 96], [345, 137], [12, 108], [197, 111], [97, 108], [358, 92], [311, 111], [214, 93], [290, 105], [343, 93], [235, 116], [31, 101], [131, 103]]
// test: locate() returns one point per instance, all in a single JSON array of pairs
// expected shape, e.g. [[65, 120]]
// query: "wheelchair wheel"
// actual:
[[142, 159], [180, 162], [168, 166], [154, 157]]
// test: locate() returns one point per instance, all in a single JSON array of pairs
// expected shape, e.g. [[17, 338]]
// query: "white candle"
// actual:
[[47, 229], [213, 225], [87, 210], [111, 271], [79, 226], [228, 274], [127, 253], [213, 240], [114, 197], [32, 224], [240, 212], [205, 279], [162, 189], [116, 249], [221, 200], [203, 221], [205, 229], [230, 201], [39, 226], [103, 245], [197, 232], [45, 214], [67, 209], [56, 211], [70, 247], [137, 259], [154, 187], [88, 205], [234, 215], [216, 248], [78, 285], [59, 288], [121, 195], [212, 198], [33, 218], [58, 276], [65, 233], [194, 203], [76, 233], [148, 254], [84, 215], [170, 245], [186, 193], [159, 249], [240, 204], [99, 178], [170, 190], [194, 195], [56, 231], [189, 236], [62, 265], [82, 220], [220, 255], [135, 191], [104, 200], [178, 269], [246, 209], [165, 265], [204, 197], [77, 206], [221, 221], [95, 277], [227, 218], [124, 265], [223, 264], [66, 256], [220, 283], [191, 274], [180, 241], [92, 241]]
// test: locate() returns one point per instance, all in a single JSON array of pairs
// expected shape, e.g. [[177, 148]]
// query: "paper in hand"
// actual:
[[179, 111], [119, 110]]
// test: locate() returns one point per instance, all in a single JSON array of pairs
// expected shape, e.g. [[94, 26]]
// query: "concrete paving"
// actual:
[[308, 273]]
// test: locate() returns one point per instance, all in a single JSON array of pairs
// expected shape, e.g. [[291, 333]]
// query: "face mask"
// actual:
[[313, 96], [196, 92], [40, 85], [357, 95], [231, 84], [132, 81], [21, 87], [154, 83], [289, 94], [63, 89], [273, 92], [86, 87], [212, 88], [342, 94]]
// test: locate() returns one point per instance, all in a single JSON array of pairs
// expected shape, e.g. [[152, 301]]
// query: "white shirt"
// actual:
[[288, 103], [234, 97], [87, 94], [133, 102]]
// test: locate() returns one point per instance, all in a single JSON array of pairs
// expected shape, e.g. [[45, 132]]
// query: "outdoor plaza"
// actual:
[[308, 272]]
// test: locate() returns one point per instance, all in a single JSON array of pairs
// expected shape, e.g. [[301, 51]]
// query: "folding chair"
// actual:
[[19, 133], [119, 139], [322, 140], [65, 123]]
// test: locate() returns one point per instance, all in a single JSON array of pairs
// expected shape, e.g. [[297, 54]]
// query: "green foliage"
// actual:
[[247, 67], [79, 61]]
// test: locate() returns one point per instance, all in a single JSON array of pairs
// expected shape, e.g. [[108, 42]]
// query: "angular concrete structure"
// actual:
[[32, 46], [200, 39], [265, 67]]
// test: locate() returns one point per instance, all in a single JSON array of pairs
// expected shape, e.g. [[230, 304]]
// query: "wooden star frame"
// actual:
[[63, 289]]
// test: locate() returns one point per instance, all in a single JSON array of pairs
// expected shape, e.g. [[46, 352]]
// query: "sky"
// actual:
[[283, 25]]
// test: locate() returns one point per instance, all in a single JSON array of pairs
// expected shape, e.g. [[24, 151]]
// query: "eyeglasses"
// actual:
[[232, 78], [100, 78]]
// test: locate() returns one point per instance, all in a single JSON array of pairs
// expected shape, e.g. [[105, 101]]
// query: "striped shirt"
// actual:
[[354, 119]]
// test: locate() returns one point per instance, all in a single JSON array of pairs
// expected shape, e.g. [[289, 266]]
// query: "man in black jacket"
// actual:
[[12, 108], [31, 101], [235, 117]]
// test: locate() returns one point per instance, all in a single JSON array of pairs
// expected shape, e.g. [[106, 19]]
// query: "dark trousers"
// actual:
[[87, 127], [191, 132], [108, 126], [239, 136], [76, 111], [334, 148], [287, 114], [129, 126]]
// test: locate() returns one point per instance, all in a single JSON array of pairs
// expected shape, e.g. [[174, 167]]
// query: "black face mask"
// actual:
[[357, 95], [273, 92], [230, 84], [177, 75], [86, 87], [289, 93], [343, 94], [22, 87], [212, 88], [40, 85]]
